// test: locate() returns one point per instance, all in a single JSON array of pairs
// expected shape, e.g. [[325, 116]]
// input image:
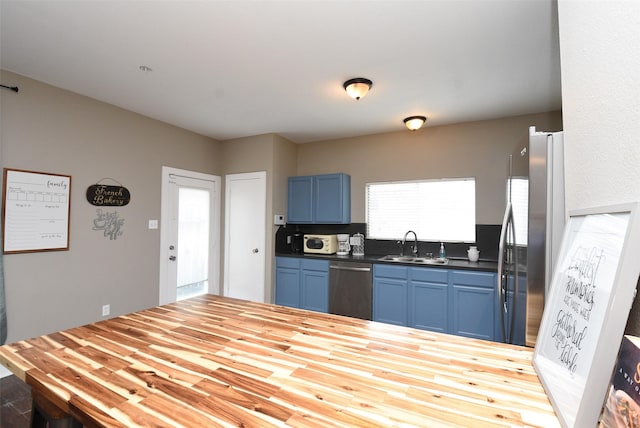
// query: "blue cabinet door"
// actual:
[[473, 314], [288, 287], [300, 201], [473, 304], [332, 199], [390, 284], [428, 306], [288, 281], [428, 299], [390, 301], [314, 285]]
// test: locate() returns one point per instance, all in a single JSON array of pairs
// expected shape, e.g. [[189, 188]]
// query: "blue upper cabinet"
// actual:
[[300, 207], [322, 199], [332, 198]]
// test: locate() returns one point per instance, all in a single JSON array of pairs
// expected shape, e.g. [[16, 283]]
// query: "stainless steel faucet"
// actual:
[[415, 243]]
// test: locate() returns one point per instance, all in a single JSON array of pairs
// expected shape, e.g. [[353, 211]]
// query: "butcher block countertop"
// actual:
[[214, 361]]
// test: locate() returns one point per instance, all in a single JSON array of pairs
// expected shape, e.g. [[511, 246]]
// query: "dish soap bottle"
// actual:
[[443, 253]]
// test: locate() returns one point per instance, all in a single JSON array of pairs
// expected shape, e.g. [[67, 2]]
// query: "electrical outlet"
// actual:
[[106, 309]]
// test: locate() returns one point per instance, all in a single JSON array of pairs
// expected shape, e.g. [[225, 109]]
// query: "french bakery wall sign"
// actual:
[[103, 195]]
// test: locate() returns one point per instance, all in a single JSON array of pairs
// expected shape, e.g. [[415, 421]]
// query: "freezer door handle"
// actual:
[[503, 277]]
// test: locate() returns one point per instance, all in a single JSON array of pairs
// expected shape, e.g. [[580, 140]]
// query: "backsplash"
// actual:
[[487, 236]]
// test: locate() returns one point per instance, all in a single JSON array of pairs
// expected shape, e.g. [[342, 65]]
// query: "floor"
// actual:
[[15, 403]]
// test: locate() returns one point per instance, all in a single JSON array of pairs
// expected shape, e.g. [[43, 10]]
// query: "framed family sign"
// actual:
[[35, 211], [586, 311]]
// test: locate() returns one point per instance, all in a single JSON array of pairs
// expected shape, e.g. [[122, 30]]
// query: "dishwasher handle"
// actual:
[[353, 269]]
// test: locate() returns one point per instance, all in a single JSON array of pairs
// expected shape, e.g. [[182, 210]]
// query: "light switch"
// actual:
[[153, 224]]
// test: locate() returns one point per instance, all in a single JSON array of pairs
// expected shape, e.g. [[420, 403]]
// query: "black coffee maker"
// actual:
[[297, 242]]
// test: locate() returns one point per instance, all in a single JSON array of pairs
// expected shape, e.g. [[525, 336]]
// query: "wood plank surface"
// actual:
[[214, 361]]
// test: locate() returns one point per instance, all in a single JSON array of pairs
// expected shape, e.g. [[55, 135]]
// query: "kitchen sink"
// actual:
[[416, 260]]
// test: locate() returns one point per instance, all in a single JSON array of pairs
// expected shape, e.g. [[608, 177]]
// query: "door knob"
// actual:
[[255, 250], [172, 258]]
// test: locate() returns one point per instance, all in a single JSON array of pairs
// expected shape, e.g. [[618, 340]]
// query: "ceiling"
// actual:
[[230, 69]]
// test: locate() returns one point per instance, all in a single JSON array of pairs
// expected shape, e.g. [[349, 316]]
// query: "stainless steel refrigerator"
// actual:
[[535, 196]]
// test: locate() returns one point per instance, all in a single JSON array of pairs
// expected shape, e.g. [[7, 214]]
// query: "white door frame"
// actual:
[[261, 241], [214, 256]]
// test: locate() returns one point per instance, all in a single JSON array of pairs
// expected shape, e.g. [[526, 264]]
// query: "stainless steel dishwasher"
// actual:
[[350, 289]]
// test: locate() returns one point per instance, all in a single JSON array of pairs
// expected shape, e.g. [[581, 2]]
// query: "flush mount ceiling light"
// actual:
[[358, 87], [415, 122]]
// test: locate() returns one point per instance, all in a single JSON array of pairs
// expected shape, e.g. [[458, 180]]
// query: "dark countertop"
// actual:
[[454, 263]]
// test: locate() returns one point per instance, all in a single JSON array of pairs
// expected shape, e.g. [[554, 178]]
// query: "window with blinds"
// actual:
[[520, 205], [437, 210]]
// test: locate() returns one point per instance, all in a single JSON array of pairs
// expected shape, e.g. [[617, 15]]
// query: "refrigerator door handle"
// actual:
[[503, 278]]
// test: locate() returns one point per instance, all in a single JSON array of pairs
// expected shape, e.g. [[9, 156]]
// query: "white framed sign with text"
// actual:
[[586, 310]]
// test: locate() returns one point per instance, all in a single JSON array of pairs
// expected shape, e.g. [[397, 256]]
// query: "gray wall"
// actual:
[[601, 104], [51, 130], [473, 149]]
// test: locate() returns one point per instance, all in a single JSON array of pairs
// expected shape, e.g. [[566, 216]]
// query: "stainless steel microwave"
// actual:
[[320, 244]]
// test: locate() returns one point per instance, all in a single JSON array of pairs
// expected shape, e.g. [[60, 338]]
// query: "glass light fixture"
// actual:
[[358, 87], [415, 122]]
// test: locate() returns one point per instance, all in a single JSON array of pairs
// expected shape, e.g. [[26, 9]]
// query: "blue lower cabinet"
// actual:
[[473, 312], [428, 297], [314, 285], [302, 283], [460, 302], [473, 304], [390, 284], [288, 281]]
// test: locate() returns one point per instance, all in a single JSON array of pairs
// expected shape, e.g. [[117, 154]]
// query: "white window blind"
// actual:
[[520, 205], [437, 210]]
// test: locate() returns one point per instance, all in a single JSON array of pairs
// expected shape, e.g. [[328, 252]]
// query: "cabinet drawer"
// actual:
[[319, 265], [385, 271], [288, 262], [477, 279], [429, 275]]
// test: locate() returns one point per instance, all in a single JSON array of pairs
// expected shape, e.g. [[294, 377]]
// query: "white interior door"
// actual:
[[245, 231], [190, 221]]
